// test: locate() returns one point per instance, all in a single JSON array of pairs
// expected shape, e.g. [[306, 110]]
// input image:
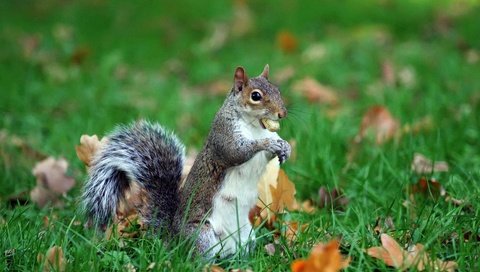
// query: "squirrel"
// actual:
[[213, 203]]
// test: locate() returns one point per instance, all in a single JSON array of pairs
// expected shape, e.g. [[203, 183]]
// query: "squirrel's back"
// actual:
[[144, 155]]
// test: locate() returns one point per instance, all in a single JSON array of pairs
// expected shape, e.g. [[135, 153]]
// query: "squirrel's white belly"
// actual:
[[238, 194]]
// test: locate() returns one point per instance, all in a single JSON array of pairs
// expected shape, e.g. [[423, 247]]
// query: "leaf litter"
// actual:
[[415, 257]]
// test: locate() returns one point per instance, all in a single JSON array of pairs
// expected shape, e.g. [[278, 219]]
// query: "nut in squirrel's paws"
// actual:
[[270, 124]]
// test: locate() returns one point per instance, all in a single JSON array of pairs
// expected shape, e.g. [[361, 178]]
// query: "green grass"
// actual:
[[144, 60]]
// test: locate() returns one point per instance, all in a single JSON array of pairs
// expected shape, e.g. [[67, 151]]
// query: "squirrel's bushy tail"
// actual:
[[142, 153]]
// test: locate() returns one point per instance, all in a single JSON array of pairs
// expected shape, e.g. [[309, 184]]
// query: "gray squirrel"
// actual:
[[213, 203]]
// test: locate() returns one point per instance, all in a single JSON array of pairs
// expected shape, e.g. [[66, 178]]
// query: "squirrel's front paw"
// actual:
[[280, 148]]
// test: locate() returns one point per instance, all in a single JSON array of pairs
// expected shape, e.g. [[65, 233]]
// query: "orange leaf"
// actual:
[[283, 195], [322, 258], [287, 42], [292, 230]]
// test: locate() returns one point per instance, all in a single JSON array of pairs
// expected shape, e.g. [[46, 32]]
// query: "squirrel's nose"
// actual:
[[282, 114]]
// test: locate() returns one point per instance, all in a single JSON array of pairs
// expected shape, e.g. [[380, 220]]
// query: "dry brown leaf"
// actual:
[[283, 195], [128, 222], [323, 258], [423, 165], [243, 21], [54, 259], [314, 53], [284, 74], [125, 227], [214, 268], [130, 267], [292, 230], [79, 55], [52, 181], [276, 193], [380, 123], [29, 45], [382, 225], [270, 249], [392, 254], [218, 87], [287, 42], [388, 73], [315, 92], [89, 146], [428, 187], [334, 198], [307, 206], [151, 266], [268, 179]]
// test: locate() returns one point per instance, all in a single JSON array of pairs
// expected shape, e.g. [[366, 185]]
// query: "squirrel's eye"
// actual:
[[256, 96]]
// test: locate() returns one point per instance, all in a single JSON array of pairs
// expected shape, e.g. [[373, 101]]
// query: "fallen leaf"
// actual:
[[214, 268], [388, 73], [423, 165], [63, 32], [29, 45], [383, 225], [265, 198], [307, 206], [125, 227], [243, 22], [429, 187], [323, 258], [283, 194], [292, 229], [314, 53], [334, 198], [54, 259], [315, 92], [52, 181], [380, 123], [472, 56], [89, 146], [151, 266], [127, 222], [392, 254], [79, 55], [216, 39], [283, 75], [407, 77], [129, 267], [287, 42], [276, 193], [270, 249]]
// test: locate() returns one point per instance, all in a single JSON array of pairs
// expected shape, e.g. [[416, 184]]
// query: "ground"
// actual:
[[71, 68]]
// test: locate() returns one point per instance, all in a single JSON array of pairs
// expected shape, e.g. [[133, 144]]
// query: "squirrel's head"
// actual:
[[259, 98]]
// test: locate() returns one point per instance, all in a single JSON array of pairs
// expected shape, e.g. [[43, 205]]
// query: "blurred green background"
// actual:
[[69, 68]]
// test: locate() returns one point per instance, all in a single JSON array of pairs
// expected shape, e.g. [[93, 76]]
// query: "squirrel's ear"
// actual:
[[240, 78], [265, 72]]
